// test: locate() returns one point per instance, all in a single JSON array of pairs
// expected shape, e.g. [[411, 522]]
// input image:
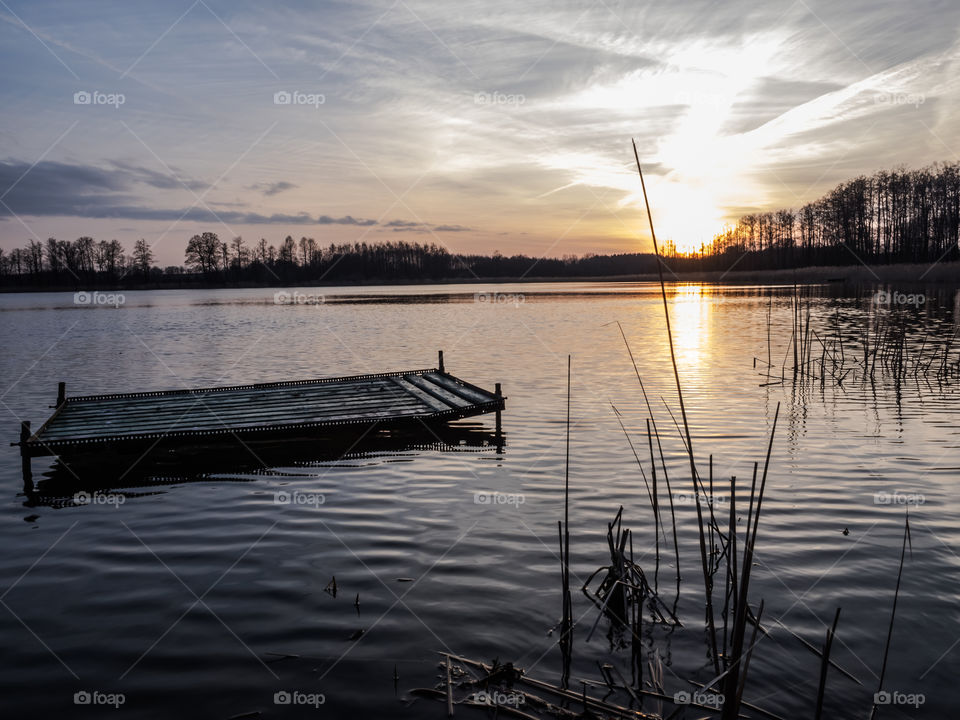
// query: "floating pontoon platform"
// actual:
[[88, 423]]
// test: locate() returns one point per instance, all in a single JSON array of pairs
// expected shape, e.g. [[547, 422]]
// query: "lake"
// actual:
[[195, 593]]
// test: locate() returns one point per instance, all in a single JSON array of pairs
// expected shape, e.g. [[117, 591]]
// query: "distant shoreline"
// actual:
[[906, 273]]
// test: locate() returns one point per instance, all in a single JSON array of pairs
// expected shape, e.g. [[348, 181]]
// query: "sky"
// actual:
[[477, 126]]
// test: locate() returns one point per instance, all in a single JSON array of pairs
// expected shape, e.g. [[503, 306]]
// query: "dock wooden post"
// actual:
[[24, 436], [440, 362], [499, 394], [61, 393], [25, 468]]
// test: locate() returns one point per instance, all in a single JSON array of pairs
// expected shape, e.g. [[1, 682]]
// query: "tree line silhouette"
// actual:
[[62, 262], [893, 216], [210, 261]]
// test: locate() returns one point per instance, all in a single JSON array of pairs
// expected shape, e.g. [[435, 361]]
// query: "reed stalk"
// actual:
[[707, 582]]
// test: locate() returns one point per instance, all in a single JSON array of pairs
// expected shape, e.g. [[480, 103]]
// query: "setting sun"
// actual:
[[685, 217]]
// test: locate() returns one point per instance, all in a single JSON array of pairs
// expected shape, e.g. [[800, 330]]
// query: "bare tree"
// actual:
[[241, 256], [203, 252], [142, 258]]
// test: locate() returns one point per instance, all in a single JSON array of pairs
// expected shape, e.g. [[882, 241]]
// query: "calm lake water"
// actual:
[[185, 596]]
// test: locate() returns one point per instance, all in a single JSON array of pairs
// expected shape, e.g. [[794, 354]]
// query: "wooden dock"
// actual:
[[267, 410]]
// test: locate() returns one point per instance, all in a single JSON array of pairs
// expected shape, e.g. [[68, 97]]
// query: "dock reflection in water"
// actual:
[[102, 478]]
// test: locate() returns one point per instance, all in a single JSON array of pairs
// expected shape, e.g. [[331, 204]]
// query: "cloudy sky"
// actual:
[[479, 126]]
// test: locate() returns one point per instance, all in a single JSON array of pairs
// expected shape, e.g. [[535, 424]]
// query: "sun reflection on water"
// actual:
[[689, 318]]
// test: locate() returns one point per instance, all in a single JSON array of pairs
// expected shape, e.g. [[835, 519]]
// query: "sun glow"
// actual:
[[700, 155], [695, 170]]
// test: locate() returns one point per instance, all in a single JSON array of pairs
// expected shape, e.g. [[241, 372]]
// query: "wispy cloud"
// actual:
[[272, 188]]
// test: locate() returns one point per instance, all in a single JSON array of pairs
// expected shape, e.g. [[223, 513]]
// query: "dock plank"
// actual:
[[211, 424], [265, 407], [468, 393], [425, 398], [185, 399], [438, 392], [206, 415]]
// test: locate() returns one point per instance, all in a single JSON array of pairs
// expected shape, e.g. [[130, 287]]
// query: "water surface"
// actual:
[[184, 597]]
